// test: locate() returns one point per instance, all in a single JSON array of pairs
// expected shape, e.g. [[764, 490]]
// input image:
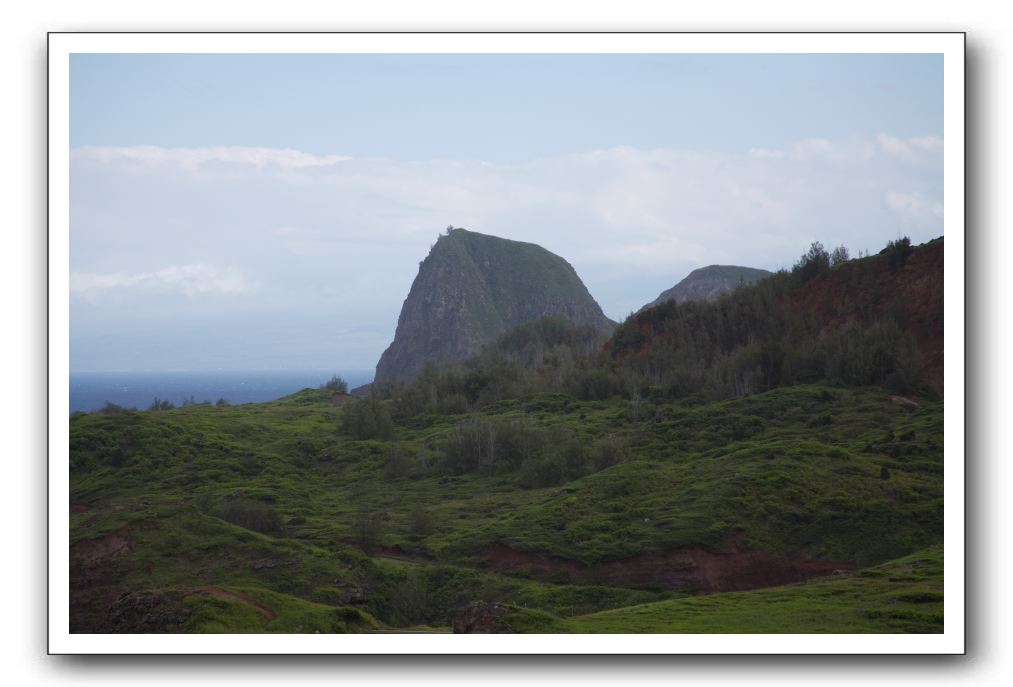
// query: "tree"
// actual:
[[368, 418], [897, 252], [839, 256], [158, 404], [337, 385], [813, 263]]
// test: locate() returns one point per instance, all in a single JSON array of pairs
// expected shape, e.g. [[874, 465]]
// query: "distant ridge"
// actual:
[[708, 283], [471, 288]]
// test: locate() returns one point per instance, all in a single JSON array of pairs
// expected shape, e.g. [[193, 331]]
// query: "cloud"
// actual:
[[766, 153], [910, 148], [333, 237], [192, 158], [914, 207], [189, 280]]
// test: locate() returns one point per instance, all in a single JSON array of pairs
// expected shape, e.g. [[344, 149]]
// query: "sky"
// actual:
[[268, 212]]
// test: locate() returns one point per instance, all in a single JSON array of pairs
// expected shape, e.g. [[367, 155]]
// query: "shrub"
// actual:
[[367, 419], [337, 385], [542, 471], [398, 462], [111, 408], [161, 404], [610, 450], [470, 446], [517, 440]]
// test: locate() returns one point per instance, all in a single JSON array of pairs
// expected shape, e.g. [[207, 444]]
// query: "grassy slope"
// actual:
[[794, 470], [904, 595]]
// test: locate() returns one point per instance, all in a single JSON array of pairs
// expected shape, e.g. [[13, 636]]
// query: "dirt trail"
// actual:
[[220, 593]]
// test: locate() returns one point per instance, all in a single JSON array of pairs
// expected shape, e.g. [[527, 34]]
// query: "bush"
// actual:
[[337, 385], [470, 446], [517, 440], [161, 404], [573, 457], [111, 408], [610, 450], [398, 463], [421, 522], [541, 471], [367, 419]]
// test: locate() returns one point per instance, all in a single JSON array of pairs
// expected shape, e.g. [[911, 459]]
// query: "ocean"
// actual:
[[90, 390]]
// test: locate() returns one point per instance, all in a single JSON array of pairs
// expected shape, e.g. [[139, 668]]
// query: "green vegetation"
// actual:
[[337, 385], [582, 488], [472, 288], [902, 596], [280, 497]]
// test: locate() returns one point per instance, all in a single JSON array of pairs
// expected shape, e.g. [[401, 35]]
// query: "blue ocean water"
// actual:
[[90, 390]]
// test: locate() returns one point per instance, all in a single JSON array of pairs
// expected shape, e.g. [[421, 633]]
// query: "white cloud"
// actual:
[[190, 280], [914, 207], [766, 153], [192, 158], [910, 148], [328, 236]]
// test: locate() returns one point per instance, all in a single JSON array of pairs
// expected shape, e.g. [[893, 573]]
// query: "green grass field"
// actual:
[[231, 511]]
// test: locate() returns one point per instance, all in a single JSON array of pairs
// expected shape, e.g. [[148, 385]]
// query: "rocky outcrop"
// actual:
[[708, 283], [472, 288]]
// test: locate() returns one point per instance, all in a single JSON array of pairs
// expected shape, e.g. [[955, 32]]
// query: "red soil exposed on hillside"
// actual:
[[687, 568], [867, 289]]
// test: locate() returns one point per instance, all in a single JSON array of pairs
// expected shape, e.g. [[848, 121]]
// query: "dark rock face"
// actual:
[[473, 287], [708, 283]]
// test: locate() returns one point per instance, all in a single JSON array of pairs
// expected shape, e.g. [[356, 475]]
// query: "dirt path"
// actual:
[[220, 593]]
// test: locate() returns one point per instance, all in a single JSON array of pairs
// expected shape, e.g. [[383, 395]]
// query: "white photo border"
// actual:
[[63, 45]]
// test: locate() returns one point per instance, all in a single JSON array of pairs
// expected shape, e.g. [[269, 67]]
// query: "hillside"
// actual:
[[771, 461], [708, 283], [874, 320], [211, 513], [473, 287]]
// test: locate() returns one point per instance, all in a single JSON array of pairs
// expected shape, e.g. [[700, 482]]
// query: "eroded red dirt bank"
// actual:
[[688, 568]]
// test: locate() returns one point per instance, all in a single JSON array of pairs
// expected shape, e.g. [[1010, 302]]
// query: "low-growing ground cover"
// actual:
[[280, 505]]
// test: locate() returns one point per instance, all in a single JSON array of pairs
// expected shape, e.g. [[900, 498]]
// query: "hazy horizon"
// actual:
[[268, 212]]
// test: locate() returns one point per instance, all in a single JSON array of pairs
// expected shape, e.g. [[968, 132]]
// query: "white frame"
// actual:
[[62, 45]]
